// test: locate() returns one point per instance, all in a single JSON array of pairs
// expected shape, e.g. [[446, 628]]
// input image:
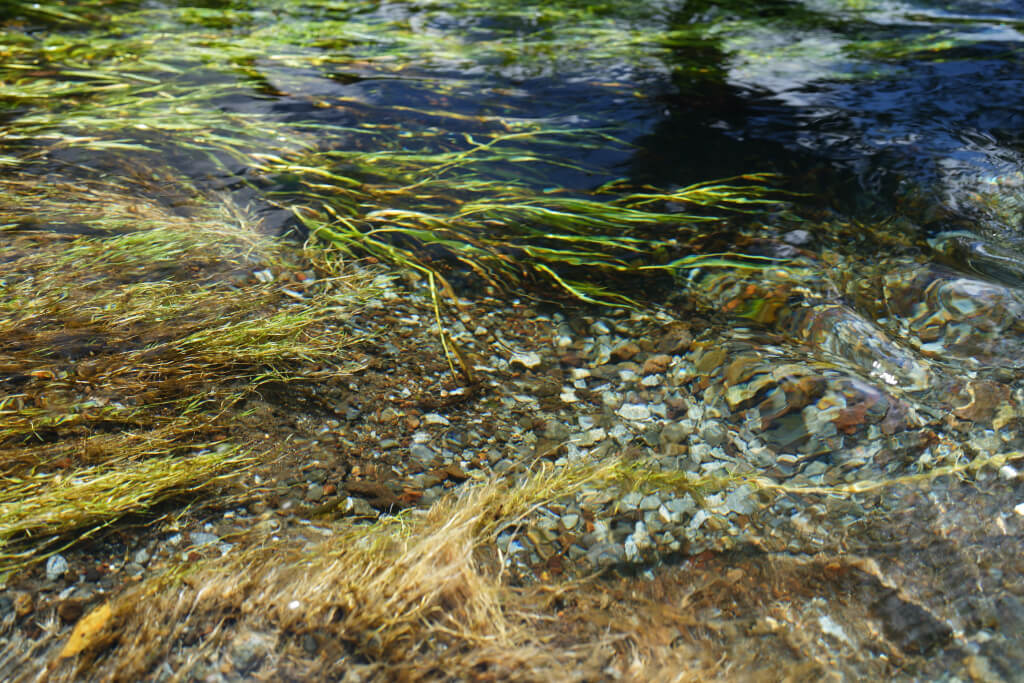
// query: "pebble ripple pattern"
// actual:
[[826, 375]]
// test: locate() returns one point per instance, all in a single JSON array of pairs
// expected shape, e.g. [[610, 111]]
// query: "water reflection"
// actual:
[[910, 99]]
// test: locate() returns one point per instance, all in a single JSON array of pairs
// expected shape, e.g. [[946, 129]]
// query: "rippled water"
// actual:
[[878, 108]]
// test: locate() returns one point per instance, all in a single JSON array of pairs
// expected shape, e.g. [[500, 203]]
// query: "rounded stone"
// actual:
[[714, 433], [634, 411], [556, 430], [422, 452], [198, 538], [56, 566], [674, 432], [650, 502], [247, 650], [314, 493]]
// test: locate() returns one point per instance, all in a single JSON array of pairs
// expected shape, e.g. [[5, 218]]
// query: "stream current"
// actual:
[[889, 338]]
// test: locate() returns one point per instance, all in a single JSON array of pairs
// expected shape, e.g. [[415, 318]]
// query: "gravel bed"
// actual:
[[742, 441]]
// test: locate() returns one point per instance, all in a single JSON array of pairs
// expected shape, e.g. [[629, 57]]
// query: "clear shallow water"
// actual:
[[905, 116], [891, 340], [881, 107]]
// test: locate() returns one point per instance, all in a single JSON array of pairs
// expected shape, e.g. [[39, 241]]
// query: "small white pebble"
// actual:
[[528, 360], [634, 411], [55, 567]]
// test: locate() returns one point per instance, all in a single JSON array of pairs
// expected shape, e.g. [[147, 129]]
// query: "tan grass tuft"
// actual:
[[417, 594]]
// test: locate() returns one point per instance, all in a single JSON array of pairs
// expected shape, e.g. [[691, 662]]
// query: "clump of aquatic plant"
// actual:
[[407, 592], [158, 83], [510, 236], [128, 332], [47, 504]]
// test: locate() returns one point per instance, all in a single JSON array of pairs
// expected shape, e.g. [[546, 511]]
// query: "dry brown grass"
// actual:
[[409, 597]]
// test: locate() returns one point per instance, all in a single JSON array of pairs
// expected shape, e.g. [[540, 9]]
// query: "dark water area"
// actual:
[[869, 97], [877, 109]]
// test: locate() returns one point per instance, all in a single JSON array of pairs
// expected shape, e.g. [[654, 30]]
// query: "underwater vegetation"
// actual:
[[147, 162], [129, 333], [198, 201], [155, 84]]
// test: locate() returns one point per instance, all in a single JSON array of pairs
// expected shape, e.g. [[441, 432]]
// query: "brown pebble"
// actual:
[[376, 494], [677, 407], [656, 365], [70, 610], [572, 360], [433, 478], [985, 400], [455, 472], [548, 388], [330, 489], [86, 370], [625, 351], [895, 419], [675, 340], [23, 604]]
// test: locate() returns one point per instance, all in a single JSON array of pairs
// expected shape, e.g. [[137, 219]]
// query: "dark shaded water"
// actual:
[[878, 108], [906, 99]]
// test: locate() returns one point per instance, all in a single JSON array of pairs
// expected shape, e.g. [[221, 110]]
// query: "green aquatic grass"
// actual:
[[129, 342], [507, 232], [45, 505], [148, 83]]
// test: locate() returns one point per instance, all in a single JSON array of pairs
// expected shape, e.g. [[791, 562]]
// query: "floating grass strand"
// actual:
[[959, 469]]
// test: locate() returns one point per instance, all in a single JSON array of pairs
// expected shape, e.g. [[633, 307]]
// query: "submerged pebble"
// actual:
[[56, 567]]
